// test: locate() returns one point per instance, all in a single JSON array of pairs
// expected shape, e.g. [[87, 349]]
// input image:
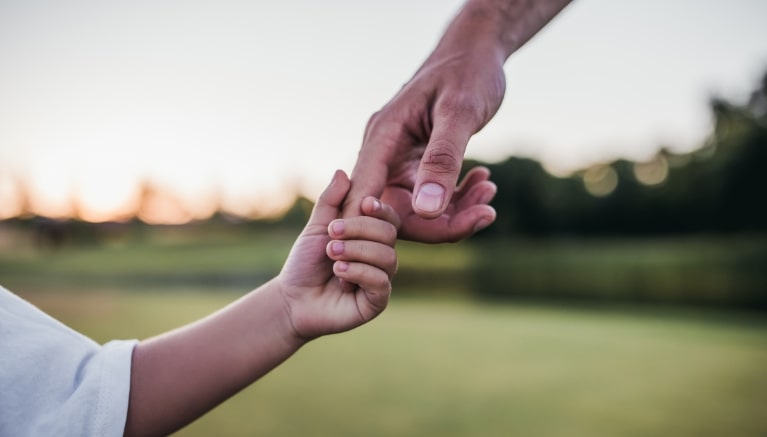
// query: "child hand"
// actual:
[[338, 273]]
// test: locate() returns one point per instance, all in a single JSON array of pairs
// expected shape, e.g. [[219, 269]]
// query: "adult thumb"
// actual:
[[439, 168]]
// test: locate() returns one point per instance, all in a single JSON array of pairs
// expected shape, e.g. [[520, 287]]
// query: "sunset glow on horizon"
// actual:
[[172, 111], [94, 201]]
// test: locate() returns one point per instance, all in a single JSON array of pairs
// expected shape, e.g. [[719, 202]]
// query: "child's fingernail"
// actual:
[[337, 227], [337, 247], [376, 205], [335, 177], [342, 266]]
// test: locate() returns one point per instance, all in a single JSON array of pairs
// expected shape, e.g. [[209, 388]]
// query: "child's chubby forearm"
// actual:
[[337, 277], [178, 376]]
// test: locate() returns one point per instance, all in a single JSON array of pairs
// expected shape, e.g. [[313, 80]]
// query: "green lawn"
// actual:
[[709, 270], [439, 363], [460, 368]]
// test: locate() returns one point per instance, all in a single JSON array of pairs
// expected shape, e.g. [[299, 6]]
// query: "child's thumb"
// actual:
[[329, 203]]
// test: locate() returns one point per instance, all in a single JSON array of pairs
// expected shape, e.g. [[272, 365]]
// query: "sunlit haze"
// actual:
[[173, 110]]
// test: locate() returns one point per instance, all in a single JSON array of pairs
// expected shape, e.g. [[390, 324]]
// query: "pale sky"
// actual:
[[254, 101]]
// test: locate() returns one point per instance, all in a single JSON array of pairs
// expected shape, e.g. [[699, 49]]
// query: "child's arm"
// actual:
[[178, 376]]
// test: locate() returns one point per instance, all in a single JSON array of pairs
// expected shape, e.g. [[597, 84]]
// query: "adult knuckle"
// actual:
[[383, 127], [373, 120], [462, 106], [440, 157]]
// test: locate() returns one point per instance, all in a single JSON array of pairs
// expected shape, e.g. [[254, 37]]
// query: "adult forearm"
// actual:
[[501, 26], [180, 375]]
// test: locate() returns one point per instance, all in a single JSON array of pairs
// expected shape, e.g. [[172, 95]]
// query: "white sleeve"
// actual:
[[55, 381]]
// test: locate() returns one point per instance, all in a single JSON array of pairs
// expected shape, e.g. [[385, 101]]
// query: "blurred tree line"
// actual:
[[720, 188], [712, 201], [597, 233]]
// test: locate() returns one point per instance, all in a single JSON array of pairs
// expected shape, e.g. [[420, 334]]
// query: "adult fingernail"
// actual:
[[429, 198], [482, 224], [337, 247], [487, 196], [337, 227]]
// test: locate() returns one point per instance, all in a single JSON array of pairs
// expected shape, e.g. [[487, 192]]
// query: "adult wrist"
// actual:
[[498, 26], [479, 26]]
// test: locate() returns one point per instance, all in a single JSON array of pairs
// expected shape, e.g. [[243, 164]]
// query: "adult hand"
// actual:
[[413, 148]]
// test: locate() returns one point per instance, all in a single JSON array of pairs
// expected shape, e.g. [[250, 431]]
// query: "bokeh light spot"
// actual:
[[600, 180], [652, 173]]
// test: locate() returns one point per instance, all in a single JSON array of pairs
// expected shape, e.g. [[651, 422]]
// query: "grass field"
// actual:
[[459, 368], [702, 270], [439, 362]]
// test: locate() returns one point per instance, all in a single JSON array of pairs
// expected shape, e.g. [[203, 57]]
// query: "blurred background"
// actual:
[[157, 160]]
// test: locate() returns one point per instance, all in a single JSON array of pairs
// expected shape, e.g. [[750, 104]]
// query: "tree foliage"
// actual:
[[719, 188]]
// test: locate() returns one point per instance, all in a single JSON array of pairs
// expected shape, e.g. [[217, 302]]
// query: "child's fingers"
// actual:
[[363, 228], [373, 207], [330, 200], [372, 253], [374, 283]]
